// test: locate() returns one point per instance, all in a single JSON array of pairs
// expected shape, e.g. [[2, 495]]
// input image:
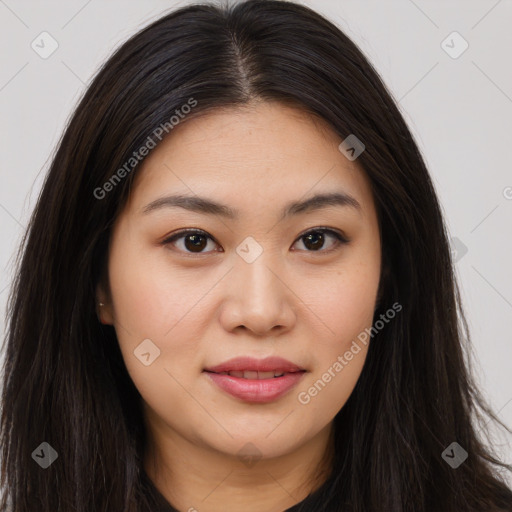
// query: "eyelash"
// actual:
[[340, 239]]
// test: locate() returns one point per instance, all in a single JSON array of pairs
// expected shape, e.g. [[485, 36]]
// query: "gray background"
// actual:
[[459, 110]]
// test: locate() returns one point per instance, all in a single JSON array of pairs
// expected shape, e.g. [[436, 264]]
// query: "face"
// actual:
[[193, 286]]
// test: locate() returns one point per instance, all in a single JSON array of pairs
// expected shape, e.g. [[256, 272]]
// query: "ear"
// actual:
[[104, 312]]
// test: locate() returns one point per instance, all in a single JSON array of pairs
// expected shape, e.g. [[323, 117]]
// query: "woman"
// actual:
[[236, 290]]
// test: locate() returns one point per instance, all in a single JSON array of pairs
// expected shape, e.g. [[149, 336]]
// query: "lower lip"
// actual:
[[256, 390]]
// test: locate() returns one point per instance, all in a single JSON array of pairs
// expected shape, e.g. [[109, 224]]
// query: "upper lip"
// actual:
[[268, 364]]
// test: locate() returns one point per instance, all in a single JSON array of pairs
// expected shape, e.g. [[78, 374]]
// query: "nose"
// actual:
[[258, 298]]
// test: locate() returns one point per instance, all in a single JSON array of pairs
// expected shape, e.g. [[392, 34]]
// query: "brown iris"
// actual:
[[197, 242], [316, 238]]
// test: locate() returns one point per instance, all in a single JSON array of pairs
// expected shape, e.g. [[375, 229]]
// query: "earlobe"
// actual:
[[100, 313], [104, 313], [103, 307]]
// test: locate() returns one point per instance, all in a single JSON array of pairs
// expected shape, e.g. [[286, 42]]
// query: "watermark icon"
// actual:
[[249, 454], [507, 193], [249, 249], [44, 45], [147, 352], [45, 455], [351, 147], [158, 133], [458, 249], [454, 45], [304, 397], [454, 455]]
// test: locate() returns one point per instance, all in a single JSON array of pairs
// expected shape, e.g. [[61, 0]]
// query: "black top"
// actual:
[[306, 505]]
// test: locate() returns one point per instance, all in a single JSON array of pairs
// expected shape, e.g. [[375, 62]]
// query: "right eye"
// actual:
[[194, 241]]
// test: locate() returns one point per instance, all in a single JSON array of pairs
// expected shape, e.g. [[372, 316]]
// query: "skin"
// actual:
[[304, 304]]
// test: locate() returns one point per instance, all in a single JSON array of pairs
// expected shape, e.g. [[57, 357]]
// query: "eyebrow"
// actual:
[[210, 207]]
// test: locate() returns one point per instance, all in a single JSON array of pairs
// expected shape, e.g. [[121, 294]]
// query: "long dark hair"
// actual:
[[65, 382]]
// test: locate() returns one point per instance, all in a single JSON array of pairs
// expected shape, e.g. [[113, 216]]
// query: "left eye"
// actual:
[[195, 240], [317, 237]]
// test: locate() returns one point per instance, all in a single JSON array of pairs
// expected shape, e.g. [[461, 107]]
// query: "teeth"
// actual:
[[253, 375], [264, 375]]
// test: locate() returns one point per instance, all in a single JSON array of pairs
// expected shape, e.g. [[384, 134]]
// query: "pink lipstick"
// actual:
[[256, 380]]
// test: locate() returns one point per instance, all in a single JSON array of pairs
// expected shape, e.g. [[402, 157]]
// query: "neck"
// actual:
[[193, 477]]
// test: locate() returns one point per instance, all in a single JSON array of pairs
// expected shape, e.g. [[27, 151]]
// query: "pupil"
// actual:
[[318, 240], [195, 241]]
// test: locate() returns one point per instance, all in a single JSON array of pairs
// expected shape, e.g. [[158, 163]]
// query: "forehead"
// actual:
[[265, 150]]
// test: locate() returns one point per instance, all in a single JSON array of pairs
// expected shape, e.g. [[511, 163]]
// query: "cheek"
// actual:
[[330, 387], [152, 302], [341, 344], [347, 311], [345, 302], [150, 298]]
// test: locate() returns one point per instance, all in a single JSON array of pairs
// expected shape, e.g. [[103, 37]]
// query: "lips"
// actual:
[[251, 368], [256, 380]]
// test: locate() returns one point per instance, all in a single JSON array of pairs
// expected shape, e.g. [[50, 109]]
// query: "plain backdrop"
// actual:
[[456, 100]]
